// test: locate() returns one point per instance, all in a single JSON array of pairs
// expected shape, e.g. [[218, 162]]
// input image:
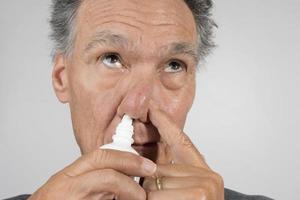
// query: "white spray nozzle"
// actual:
[[125, 127], [126, 119], [122, 139]]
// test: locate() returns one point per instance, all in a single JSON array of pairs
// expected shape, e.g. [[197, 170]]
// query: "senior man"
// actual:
[[134, 57]]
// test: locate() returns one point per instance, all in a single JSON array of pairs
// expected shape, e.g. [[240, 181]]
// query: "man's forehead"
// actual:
[[158, 5], [139, 13], [167, 25]]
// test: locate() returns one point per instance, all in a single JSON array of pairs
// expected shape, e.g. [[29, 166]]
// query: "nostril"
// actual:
[[148, 118]]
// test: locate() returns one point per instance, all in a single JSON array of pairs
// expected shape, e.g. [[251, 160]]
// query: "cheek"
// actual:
[[93, 102], [176, 100], [178, 112], [174, 81], [178, 105], [93, 116], [94, 89], [105, 106]]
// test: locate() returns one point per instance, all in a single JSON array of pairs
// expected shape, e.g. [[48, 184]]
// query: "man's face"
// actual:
[[126, 53]]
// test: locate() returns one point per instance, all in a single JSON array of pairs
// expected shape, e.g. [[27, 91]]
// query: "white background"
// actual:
[[245, 119]]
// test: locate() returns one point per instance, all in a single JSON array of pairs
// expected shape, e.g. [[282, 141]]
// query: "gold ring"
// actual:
[[158, 182]]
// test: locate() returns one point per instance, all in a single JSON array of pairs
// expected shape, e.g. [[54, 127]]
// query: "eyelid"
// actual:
[[182, 63], [111, 53], [103, 57]]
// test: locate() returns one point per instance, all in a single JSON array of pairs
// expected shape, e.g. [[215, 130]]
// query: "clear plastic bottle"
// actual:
[[122, 139]]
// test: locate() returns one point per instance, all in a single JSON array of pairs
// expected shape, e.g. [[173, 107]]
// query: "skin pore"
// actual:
[[126, 54]]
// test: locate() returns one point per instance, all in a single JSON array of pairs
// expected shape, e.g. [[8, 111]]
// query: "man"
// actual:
[[116, 57]]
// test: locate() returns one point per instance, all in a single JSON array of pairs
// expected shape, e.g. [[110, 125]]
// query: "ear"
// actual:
[[60, 78]]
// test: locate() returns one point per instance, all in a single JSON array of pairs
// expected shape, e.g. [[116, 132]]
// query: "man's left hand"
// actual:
[[188, 177]]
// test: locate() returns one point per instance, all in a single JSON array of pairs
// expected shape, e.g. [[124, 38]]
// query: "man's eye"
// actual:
[[111, 60], [174, 66]]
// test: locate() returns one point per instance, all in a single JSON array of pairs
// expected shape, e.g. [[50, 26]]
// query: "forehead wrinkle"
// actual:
[[93, 18], [134, 21], [111, 15], [153, 16]]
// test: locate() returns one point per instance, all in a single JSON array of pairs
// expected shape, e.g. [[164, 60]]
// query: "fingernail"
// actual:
[[149, 166]]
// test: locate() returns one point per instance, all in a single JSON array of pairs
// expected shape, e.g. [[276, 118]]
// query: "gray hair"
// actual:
[[63, 27]]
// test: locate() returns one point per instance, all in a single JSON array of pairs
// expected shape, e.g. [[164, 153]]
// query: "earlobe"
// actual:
[[60, 79]]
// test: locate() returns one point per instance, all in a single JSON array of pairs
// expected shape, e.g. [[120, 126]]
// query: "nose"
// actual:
[[136, 99]]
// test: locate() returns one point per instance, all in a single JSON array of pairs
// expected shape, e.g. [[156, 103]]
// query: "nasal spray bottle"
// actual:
[[122, 139]]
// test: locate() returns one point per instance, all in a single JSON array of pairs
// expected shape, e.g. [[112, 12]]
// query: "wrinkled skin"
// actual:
[[124, 61]]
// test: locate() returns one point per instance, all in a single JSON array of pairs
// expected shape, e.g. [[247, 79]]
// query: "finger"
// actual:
[[171, 183], [178, 194], [189, 176], [177, 170], [164, 155], [168, 173], [107, 182], [127, 163], [181, 146]]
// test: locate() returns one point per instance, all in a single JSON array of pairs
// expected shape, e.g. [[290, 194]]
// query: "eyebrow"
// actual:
[[183, 48], [106, 37]]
